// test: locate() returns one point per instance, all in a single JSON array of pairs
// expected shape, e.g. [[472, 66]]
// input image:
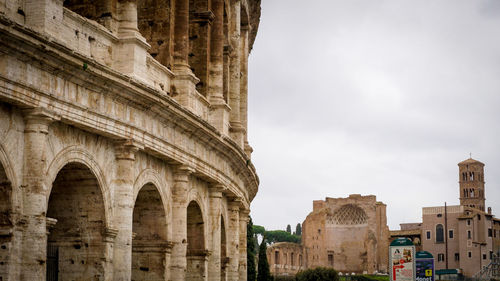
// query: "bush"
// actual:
[[318, 274], [284, 278]]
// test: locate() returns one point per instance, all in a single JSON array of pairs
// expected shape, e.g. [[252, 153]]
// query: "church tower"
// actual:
[[471, 173]]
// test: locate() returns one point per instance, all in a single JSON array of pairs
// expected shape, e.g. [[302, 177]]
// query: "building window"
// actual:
[[440, 257], [490, 232], [484, 256], [450, 233], [330, 260], [470, 255], [439, 233], [469, 234], [284, 258], [468, 222], [478, 217], [457, 256], [428, 235], [491, 255], [291, 259], [277, 257], [439, 215], [300, 260]]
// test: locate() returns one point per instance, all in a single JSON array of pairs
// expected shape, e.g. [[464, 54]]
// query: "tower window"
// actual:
[[440, 257], [469, 234], [428, 235], [470, 254], [457, 256], [450, 233]]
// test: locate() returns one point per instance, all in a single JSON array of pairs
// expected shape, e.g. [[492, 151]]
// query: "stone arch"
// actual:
[[76, 222], [77, 154], [154, 20], [349, 214], [6, 209], [196, 254], [150, 176], [150, 244]]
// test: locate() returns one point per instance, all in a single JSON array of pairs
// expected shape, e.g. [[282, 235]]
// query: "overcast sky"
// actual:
[[372, 97]]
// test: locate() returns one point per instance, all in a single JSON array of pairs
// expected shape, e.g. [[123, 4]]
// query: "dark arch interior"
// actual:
[[6, 223], [196, 254], [149, 243], [75, 248]]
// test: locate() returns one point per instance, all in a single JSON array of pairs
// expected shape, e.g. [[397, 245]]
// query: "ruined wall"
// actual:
[[348, 234]]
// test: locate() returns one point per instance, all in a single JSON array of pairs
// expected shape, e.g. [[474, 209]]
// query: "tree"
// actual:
[[274, 236], [298, 230], [263, 274], [289, 229], [251, 273]]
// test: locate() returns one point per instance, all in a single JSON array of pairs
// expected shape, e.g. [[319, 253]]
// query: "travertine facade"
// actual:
[[348, 234], [123, 145]]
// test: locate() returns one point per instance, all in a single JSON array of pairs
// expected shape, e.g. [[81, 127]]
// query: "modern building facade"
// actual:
[[123, 141], [347, 234]]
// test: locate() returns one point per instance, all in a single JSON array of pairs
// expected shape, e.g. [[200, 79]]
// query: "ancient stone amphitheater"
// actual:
[[123, 142]]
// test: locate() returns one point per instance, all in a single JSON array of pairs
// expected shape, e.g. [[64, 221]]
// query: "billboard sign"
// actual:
[[424, 266], [402, 260]]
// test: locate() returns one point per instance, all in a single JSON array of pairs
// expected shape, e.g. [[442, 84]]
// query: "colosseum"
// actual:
[[123, 141]]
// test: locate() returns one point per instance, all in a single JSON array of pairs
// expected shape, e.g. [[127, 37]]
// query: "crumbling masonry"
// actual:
[[123, 142]]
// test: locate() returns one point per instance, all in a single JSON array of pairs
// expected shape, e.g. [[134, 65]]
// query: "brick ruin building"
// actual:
[[123, 141], [347, 234]]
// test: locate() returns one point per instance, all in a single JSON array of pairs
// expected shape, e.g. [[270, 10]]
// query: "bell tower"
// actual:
[[471, 179]]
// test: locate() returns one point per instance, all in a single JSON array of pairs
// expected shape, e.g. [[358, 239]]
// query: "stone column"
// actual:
[[219, 110], [123, 187], [233, 240], [214, 239], [34, 245], [243, 244], [179, 222], [236, 128]]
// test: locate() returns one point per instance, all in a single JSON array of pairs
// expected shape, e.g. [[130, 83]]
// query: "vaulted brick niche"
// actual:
[[155, 24], [200, 18], [149, 243], [196, 254], [5, 222], [75, 248]]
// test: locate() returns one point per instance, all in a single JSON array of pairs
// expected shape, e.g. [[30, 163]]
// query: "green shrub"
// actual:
[[284, 278], [318, 274]]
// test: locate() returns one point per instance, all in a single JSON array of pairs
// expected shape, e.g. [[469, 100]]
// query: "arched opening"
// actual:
[[154, 22], [200, 18], [6, 223], [75, 248], [224, 260], [196, 253], [149, 243], [439, 233], [99, 10]]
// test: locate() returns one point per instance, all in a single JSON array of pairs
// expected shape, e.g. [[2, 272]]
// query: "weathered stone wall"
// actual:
[[113, 164], [285, 258]]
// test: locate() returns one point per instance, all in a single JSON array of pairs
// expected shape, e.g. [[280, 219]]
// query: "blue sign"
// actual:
[[424, 269]]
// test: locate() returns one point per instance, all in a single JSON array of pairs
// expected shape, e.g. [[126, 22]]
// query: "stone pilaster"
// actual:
[[243, 243], [34, 247], [132, 50], [219, 110], [178, 262], [233, 240], [244, 88], [236, 128], [123, 187], [214, 239]]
